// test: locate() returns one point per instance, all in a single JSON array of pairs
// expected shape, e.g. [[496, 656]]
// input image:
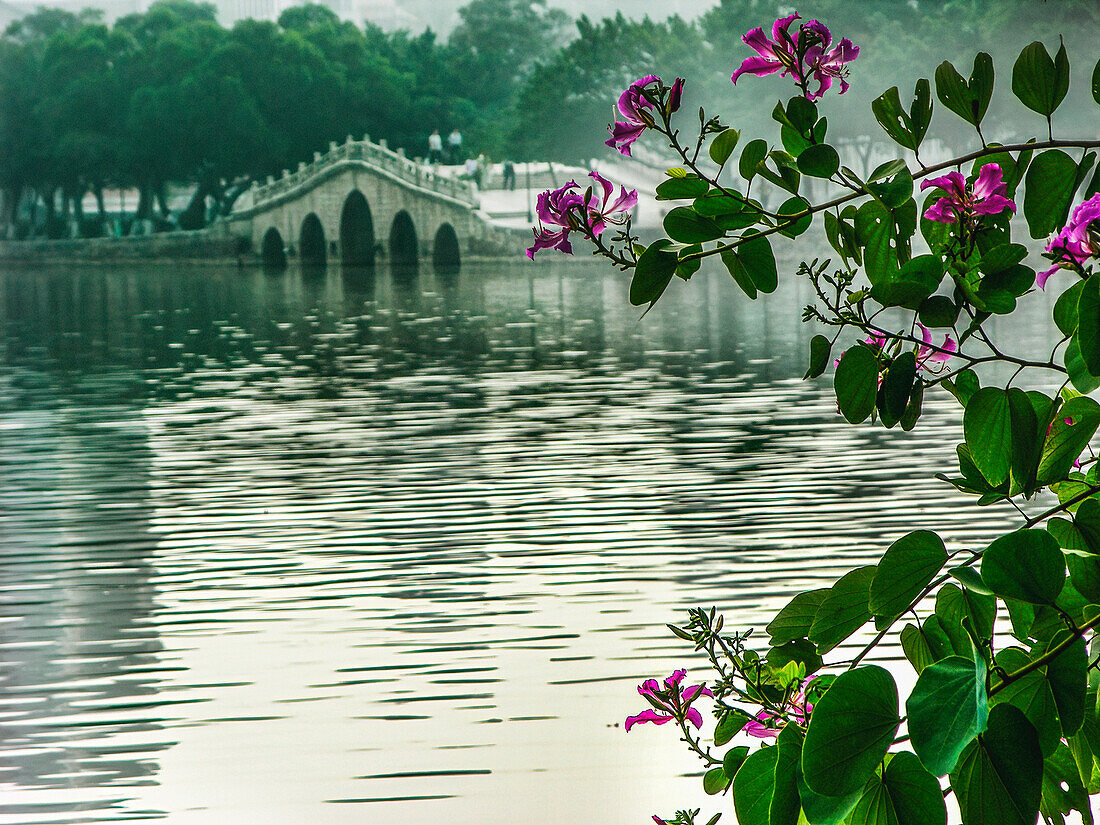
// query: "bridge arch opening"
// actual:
[[311, 242], [273, 250], [445, 253], [404, 247], [356, 231]]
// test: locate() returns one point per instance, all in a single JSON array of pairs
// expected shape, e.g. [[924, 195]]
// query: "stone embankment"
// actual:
[[206, 245]]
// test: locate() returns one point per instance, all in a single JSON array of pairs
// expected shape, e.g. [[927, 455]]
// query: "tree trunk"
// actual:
[[11, 196], [194, 216], [78, 213], [145, 203], [162, 202]]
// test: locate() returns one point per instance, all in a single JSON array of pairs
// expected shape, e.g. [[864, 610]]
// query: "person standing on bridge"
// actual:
[[435, 147], [454, 146]]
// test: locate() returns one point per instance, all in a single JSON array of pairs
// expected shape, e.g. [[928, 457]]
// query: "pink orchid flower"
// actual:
[[567, 209], [988, 196], [634, 107], [803, 55], [1078, 241], [670, 702], [927, 354]]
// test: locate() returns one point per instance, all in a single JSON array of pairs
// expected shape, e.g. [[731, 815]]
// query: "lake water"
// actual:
[[286, 549]]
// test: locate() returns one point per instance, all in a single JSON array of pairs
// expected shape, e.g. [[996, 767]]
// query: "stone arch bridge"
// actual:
[[361, 202]]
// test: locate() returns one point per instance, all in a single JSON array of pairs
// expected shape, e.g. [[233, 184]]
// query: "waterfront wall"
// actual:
[[210, 245]]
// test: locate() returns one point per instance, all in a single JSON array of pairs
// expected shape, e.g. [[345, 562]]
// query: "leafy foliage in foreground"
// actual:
[[1004, 711]]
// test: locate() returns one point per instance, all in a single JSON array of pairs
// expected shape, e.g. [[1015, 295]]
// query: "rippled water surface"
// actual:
[[286, 549]]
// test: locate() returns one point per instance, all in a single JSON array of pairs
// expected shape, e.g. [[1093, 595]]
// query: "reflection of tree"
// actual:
[[78, 690]]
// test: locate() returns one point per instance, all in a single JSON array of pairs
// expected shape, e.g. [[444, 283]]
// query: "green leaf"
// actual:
[[1068, 679], [1087, 336], [897, 385], [1039, 82], [913, 408], [1079, 376], [718, 204], [685, 225], [938, 311], [1072, 429], [903, 794], [1050, 183], [1026, 565], [820, 809], [844, 610], [907, 566], [1002, 257], [987, 427], [755, 253], [820, 348], [1026, 439], [874, 227], [794, 620], [1031, 695], [856, 383], [819, 161], [765, 789], [715, 780], [1084, 573], [970, 578], [911, 285], [947, 709], [850, 730], [998, 777], [1063, 789], [729, 726], [790, 208], [734, 759], [799, 651], [801, 113], [751, 156], [1096, 82], [916, 647], [1065, 308], [968, 99], [723, 145], [652, 273], [893, 119], [682, 188]]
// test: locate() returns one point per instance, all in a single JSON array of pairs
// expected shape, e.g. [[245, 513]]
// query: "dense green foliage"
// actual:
[[169, 95]]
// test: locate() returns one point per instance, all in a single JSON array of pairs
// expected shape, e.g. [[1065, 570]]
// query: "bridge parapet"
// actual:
[[377, 155]]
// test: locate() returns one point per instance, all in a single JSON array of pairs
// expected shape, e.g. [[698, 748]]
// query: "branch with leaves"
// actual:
[[1004, 711]]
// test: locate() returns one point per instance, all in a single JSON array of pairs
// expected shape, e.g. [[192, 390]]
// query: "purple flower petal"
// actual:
[[673, 681], [646, 716], [694, 717], [942, 211], [780, 26], [695, 690], [758, 66], [953, 184], [1042, 277], [675, 94]]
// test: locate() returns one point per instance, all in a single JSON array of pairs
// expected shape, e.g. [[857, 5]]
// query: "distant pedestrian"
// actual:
[[454, 146], [508, 170], [435, 147], [473, 170]]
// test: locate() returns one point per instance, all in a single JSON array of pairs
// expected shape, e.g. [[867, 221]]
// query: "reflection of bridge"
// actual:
[[361, 199]]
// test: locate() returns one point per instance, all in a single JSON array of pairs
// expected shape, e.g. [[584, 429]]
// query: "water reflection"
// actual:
[[283, 546]]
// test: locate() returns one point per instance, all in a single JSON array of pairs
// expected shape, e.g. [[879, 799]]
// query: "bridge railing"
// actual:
[[377, 155]]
